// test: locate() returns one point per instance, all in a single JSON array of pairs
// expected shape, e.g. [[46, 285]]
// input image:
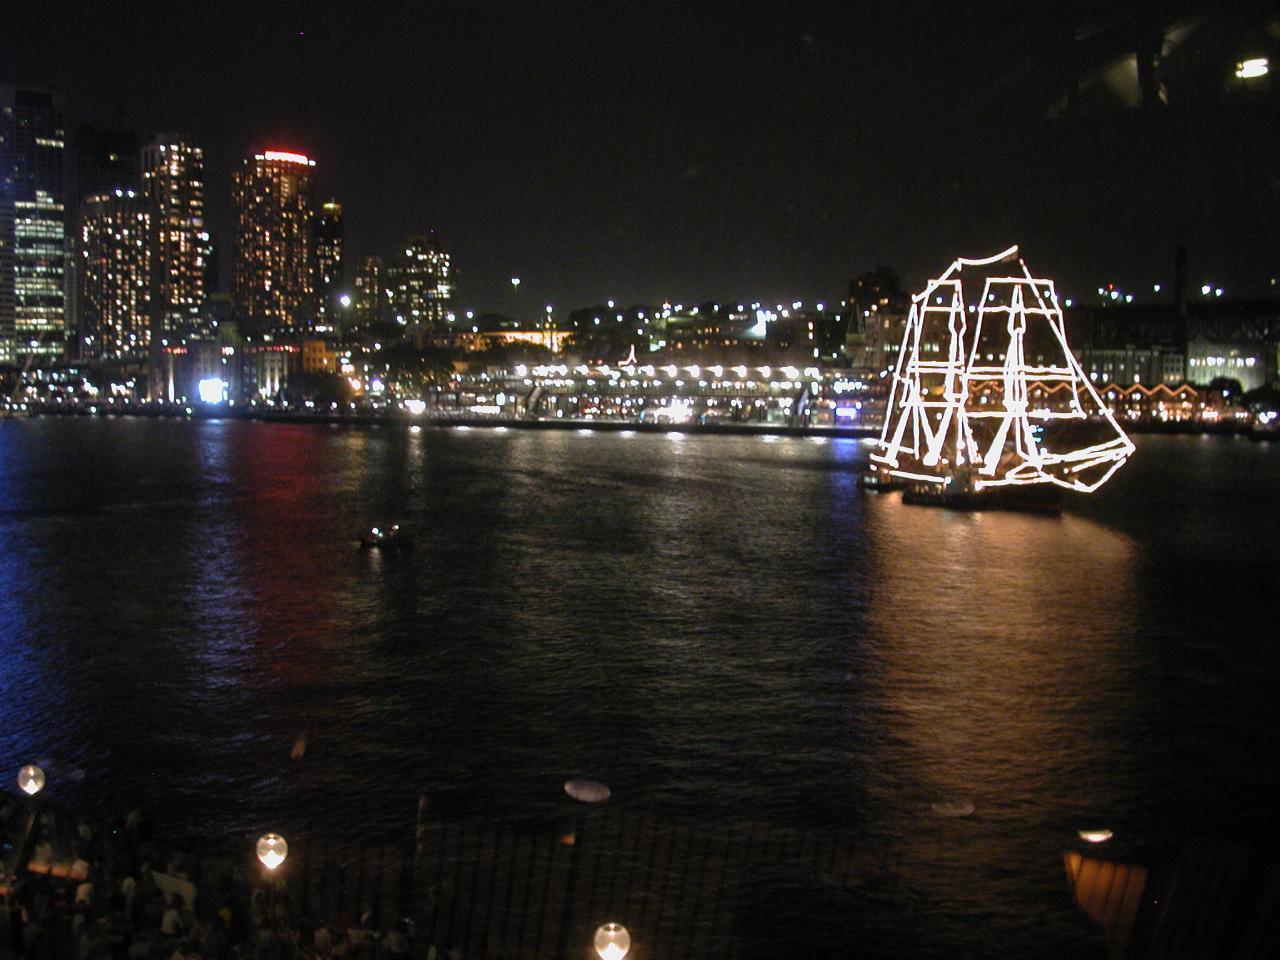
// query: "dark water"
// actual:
[[718, 627]]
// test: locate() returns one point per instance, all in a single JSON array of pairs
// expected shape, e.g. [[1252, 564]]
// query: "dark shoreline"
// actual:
[[398, 418]]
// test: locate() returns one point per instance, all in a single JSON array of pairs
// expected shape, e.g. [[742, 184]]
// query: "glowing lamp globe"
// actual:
[[612, 942], [587, 791], [31, 779], [1092, 835], [272, 850]]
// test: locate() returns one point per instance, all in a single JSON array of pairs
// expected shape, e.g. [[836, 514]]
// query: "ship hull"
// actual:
[[1028, 498], [880, 482]]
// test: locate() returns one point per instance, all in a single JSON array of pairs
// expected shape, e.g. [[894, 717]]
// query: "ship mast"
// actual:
[[940, 421]]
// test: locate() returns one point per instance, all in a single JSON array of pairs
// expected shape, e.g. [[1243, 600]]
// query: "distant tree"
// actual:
[[321, 388], [1229, 387], [1262, 398], [406, 363], [509, 354]]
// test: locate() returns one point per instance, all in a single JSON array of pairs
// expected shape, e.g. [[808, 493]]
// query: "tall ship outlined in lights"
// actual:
[[988, 407]]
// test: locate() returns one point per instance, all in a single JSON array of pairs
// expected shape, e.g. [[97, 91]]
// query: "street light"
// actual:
[[1251, 69], [612, 942], [272, 850], [515, 283], [31, 779]]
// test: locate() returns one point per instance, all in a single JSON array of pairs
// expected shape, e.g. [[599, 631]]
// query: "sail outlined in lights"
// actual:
[[963, 405]]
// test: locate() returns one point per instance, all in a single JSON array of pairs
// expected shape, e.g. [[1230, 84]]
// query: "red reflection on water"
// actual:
[[286, 553]]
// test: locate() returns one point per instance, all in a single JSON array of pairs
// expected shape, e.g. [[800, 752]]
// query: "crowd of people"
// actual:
[[81, 890]]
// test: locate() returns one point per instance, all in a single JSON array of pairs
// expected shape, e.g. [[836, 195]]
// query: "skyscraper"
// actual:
[[173, 186], [328, 246], [115, 274], [33, 224], [274, 286], [423, 293], [106, 160], [370, 295]]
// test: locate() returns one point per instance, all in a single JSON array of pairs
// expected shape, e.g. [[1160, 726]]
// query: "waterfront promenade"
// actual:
[[76, 887]]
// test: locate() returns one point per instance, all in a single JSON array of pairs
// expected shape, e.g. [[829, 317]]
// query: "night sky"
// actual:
[[649, 151]]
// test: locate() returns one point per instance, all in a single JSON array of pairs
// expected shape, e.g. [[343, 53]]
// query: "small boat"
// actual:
[[386, 538], [874, 478]]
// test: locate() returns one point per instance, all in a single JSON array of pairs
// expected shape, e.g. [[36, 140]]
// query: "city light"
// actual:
[[1095, 836], [1252, 68], [416, 407], [676, 411], [212, 390], [345, 299], [288, 157]]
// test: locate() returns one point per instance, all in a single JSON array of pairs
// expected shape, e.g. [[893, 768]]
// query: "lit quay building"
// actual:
[[115, 270], [328, 247], [33, 224], [173, 185], [274, 276], [788, 395]]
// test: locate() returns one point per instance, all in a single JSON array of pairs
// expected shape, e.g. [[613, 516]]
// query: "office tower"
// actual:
[[115, 274], [33, 224], [328, 247], [105, 160], [423, 292], [370, 299], [274, 285], [212, 266], [173, 186]]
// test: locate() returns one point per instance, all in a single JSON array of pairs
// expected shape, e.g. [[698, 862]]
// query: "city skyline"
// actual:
[[616, 157]]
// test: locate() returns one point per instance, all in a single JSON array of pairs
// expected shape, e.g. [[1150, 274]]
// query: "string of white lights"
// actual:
[[928, 433]]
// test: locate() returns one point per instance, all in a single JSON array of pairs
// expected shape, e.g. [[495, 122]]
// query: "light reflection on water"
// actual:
[[717, 627], [1002, 656]]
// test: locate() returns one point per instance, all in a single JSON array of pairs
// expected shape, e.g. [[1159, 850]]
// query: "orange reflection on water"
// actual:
[[1003, 661]]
